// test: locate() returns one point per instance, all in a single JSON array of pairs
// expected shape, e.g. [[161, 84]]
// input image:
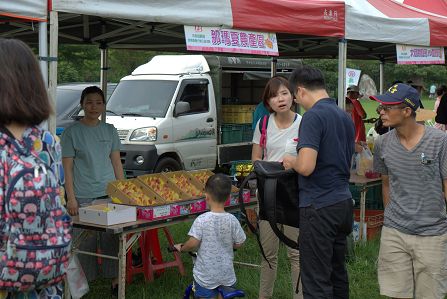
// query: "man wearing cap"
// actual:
[[412, 159], [358, 114]]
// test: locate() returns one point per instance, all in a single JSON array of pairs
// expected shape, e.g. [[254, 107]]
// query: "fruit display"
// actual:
[[163, 187], [186, 183], [132, 192], [203, 175]]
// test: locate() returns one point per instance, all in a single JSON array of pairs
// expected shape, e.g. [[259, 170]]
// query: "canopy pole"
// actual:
[[52, 79], [103, 77], [43, 51], [342, 52], [273, 67], [381, 75]]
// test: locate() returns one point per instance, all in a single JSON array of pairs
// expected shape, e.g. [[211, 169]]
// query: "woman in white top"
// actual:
[[281, 133]]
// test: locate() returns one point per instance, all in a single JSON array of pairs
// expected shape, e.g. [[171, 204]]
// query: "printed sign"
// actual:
[[352, 77], [419, 55], [162, 211], [216, 39]]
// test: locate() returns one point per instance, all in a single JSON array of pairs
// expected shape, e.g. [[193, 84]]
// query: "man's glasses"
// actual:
[[387, 108]]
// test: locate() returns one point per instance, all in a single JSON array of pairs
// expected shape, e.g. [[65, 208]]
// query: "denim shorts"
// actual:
[[201, 292]]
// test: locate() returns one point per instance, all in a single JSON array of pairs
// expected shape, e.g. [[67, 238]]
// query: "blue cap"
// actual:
[[399, 94]]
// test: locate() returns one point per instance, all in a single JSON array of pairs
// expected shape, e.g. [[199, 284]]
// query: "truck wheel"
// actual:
[[167, 164]]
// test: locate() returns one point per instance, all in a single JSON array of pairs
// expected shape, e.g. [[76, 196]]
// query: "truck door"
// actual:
[[194, 125]]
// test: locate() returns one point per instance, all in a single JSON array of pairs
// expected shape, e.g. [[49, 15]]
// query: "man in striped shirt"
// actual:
[[413, 162]]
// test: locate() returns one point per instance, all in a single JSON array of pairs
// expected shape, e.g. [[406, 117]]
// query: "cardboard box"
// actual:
[[107, 214], [187, 183], [160, 184], [203, 175], [171, 210], [120, 193]]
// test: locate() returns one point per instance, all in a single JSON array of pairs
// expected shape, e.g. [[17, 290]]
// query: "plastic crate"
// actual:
[[247, 133], [374, 199], [241, 168], [231, 133], [373, 221]]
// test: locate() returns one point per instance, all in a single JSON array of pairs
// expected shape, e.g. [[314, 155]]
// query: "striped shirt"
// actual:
[[417, 205]]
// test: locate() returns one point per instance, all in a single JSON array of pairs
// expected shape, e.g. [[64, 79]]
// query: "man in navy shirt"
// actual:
[[325, 149]]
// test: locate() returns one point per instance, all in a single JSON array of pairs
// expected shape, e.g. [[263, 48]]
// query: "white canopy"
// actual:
[[34, 10]]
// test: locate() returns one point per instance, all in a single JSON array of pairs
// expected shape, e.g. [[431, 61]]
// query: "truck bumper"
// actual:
[[129, 154]]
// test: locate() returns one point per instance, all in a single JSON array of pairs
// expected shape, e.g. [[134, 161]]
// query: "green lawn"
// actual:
[[170, 285]]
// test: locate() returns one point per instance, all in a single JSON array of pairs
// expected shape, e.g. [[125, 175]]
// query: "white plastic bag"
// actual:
[[77, 281], [364, 161]]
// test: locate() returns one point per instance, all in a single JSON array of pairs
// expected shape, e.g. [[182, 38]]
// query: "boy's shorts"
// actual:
[[412, 266], [201, 292]]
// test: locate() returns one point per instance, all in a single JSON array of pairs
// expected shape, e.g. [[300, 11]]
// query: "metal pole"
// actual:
[[381, 75], [273, 67], [342, 51], [43, 51], [52, 79], [103, 77]]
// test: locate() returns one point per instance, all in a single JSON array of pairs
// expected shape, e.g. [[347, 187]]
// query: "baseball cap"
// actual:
[[399, 94]]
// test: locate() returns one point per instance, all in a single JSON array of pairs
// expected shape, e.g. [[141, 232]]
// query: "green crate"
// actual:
[[247, 133], [231, 133], [373, 197]]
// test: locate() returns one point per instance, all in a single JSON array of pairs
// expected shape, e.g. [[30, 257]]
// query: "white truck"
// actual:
[[168, 112]]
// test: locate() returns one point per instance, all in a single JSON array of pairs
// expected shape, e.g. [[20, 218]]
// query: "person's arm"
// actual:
[[359, 108], [385, 190], [191, 245], [117, 166], [256, 150], [72, 203], [444, 182]]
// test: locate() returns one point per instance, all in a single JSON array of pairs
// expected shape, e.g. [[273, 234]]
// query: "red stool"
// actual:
[[152, 256]]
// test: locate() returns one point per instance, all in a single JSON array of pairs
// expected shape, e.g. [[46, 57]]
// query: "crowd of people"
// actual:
[[411, 158]]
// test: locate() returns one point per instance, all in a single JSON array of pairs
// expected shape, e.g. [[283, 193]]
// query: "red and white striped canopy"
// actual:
[[33, 10]]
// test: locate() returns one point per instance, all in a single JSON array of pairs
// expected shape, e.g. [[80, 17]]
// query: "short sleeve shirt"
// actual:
[[277, 138], [330, 131], [417, 205], [90, 148], [218, 232]]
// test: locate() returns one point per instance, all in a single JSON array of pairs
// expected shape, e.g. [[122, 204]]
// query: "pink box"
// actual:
[[234, 198], [172, 210]]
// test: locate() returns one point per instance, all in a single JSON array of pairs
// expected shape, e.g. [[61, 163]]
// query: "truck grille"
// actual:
[[123, 134]]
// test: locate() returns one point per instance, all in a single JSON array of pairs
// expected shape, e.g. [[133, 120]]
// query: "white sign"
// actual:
[[419, 55], [352, 77], [162, 211], [216, 39]]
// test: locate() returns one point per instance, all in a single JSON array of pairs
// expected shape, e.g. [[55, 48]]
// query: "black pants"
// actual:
[[322, 250]]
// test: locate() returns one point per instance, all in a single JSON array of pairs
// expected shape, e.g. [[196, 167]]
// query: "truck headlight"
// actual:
[[144, 134]]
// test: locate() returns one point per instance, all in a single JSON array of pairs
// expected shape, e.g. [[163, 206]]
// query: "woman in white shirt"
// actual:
[[281, 134]]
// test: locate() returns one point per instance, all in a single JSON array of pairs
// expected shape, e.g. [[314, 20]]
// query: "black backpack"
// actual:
[[277, 196]]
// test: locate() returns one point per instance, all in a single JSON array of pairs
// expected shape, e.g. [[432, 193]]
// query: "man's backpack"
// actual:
[[35, 229], [277, 196]]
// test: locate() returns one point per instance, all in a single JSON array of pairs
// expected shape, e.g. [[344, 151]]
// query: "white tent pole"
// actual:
[[43, 51], [103, 76], [381, 75], [342, 51], [52, 80]]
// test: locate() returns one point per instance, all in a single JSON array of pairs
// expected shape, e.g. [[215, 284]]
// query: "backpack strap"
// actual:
[[254, 230], [263, 124], [270, 192]]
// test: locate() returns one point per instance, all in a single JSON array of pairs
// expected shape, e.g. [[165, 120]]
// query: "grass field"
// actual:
[[170, 285]]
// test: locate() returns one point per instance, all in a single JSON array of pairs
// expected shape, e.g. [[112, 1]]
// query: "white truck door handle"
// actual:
[[209, 120]]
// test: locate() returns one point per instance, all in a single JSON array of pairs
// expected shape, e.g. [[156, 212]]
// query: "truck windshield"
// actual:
[[150, 98]]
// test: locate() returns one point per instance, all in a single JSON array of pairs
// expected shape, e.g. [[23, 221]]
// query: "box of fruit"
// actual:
[[234, 198], [107, 214], [187, 183], [203, 175], [171, 210], [166, 189], [133, 192]]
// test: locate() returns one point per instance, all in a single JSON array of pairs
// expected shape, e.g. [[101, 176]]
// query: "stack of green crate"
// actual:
[[231, 133], [373, 197]]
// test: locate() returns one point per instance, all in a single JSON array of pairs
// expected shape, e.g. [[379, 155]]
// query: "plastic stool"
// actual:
[[154, 257], [131, 270]]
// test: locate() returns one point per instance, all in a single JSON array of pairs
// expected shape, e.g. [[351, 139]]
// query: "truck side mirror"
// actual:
[[181, 107]]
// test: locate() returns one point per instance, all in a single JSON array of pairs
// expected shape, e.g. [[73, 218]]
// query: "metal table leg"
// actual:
[[122, 266], [362, 213]]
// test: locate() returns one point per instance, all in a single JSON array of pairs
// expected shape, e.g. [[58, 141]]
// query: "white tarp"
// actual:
[[24, 9], [186, 12]]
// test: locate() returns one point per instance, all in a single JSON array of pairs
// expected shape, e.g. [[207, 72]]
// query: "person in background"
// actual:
[[441, 113], [358, 114], [24, 106], [91, 159], [412, 159], [214, 235], [418, 84], [258, 114], [325, 149], [432, 91], [282, 128]]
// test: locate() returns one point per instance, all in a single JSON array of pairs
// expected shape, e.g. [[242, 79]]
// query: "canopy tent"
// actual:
[[32, 10]]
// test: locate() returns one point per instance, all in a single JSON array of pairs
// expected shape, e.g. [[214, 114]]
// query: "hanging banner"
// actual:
[[419, 55], [352, 77], [216, 39]]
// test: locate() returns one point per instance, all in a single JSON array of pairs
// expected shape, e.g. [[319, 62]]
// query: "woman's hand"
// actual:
[[72, 207], [288, 161]]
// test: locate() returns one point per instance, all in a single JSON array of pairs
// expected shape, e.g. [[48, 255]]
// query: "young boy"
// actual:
[[214, 234]]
